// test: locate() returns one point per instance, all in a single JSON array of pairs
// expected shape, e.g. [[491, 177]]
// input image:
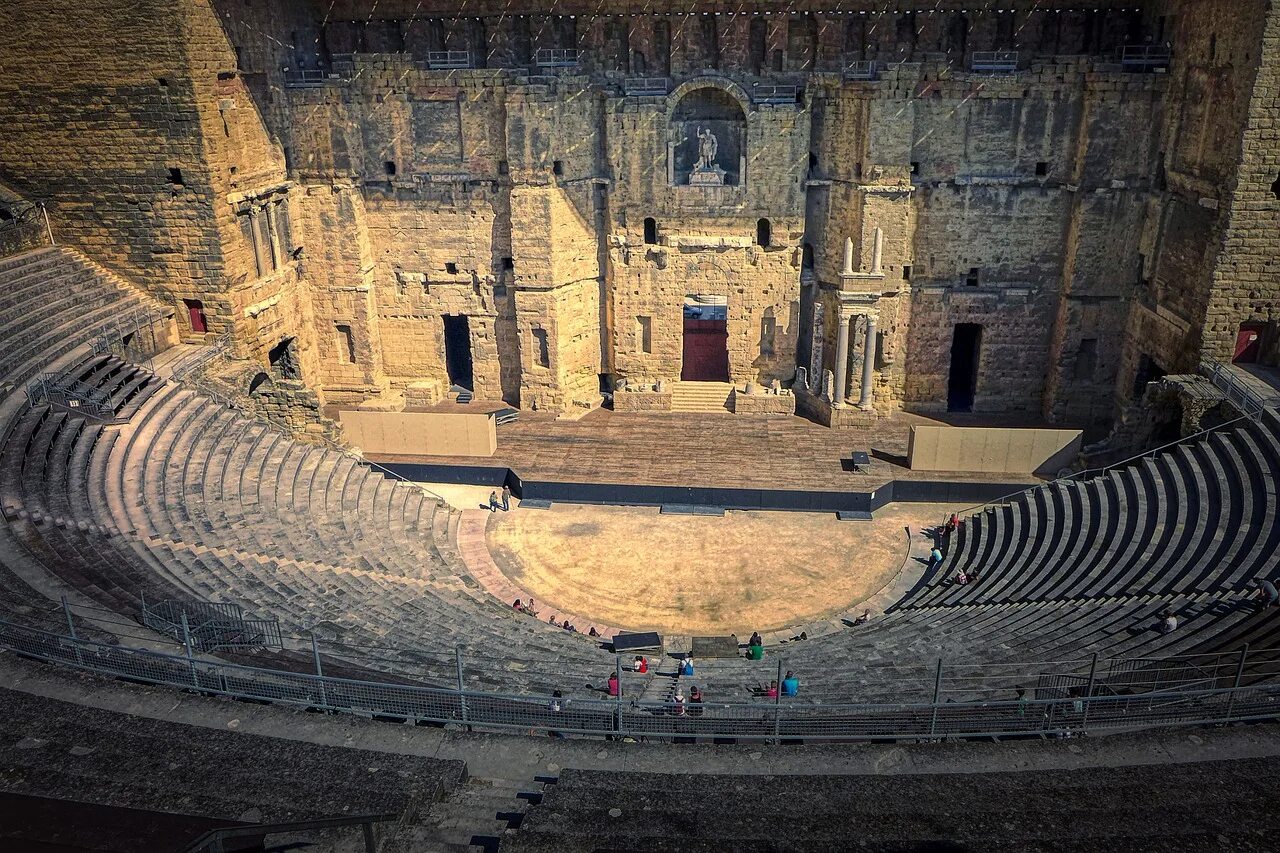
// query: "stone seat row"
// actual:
[[1198, 518], [68, 751], [985, 649], [194, 501], [1207, 803]]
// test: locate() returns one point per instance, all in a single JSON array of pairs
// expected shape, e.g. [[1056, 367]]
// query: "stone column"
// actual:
[[868, 363], [848, 257], [877, 251], [273, 236], [842, 359]]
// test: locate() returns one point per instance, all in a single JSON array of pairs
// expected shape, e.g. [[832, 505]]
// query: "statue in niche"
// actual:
[[708, 145], [705, 171]]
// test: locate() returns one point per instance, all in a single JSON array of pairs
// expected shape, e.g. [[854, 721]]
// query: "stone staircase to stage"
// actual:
[[700, 396]]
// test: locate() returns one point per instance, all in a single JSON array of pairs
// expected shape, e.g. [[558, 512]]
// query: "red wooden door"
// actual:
[[706, 351], [1248, 343], [195, 313]]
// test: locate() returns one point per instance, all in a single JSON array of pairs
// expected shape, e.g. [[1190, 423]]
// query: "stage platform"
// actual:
[[726, 460]]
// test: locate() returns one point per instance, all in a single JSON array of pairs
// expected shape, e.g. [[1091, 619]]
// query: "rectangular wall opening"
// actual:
[[644, 334], [346, 344], [966, 351], [706, 339], [541, 347], [457, 351]]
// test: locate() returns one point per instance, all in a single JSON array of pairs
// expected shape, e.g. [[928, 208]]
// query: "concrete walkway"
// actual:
[[523, 756]]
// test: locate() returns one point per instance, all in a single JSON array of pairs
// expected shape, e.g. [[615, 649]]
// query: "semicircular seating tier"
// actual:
[[192, 501], [1068, 570]]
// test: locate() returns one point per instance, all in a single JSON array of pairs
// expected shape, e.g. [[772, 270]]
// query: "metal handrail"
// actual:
[[557, 57], [212, 841], [646, 85], [862, 69], [448, 59], [1081, 708], [1237, 392], [780, 93], [994, 61], [1146, 56]]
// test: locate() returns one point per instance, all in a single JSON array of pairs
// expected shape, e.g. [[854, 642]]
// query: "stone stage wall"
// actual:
[[309, 173]]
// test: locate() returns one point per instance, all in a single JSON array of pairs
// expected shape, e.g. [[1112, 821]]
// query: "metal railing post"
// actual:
[[186, 644], [71, 631], [777, 706], [1088, 691], [462, 696], [66, 610], [937, 695], [1235, 686], [315, 655], [369, 846], [617, 704], [47, 227]]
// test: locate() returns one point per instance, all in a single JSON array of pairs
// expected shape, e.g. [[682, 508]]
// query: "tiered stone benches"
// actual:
[[74, 752], [1204, 805]]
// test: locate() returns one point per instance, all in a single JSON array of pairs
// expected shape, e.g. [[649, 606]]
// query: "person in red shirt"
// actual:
[[613, 684], [772, 692], [641, 665]]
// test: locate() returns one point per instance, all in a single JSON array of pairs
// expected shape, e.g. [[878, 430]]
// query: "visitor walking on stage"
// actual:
[[493, 502], [506, 498]]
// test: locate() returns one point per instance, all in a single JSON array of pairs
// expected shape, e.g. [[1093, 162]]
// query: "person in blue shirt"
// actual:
[[686, 667], [790, 684]]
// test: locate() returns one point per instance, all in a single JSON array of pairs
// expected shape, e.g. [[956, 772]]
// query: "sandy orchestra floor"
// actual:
[[678, 574]]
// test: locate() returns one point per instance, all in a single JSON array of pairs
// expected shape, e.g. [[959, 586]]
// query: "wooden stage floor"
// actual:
[[710, 450]]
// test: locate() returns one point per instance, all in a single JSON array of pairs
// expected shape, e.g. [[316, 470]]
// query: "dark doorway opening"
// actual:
[[706, 340], [966, 349], [457, 350], [1148, 371], [1249, 343]]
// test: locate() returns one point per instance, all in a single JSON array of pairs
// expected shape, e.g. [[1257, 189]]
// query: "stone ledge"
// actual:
[[763, 402], [628, 400]]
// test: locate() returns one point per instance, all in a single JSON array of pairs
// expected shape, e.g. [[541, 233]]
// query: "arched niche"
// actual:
[[707, 137]]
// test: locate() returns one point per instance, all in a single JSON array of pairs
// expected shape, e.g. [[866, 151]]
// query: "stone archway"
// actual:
[[707, 134]]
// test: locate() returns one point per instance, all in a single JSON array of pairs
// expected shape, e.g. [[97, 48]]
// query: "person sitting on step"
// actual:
[[695, 701], [1267, 594], [641, 664], [518, 606], [686, 667], [961, 577], [613, 684], [864, 618], [772, 691], [677, 703], [790, 684]]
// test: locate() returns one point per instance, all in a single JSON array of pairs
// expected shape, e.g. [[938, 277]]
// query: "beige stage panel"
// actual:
[[992, 449], [421, 433]]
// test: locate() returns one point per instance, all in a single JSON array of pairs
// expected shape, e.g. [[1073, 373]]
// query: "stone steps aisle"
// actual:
[[473, 818]]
